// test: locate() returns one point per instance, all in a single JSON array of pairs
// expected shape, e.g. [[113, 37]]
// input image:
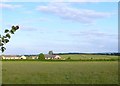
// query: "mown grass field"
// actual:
[[87, 57], [59, 72]]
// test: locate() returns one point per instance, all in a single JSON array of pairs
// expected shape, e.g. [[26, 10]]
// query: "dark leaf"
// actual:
[[12, 32], [6, 41], [1, 44], [13, 28], [6, 30], [17, 27], [3, 39], [8, 35], [3, 49]]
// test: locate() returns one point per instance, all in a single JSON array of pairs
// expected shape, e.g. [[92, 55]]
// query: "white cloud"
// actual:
[[99, 41], [65, 11], [9, 6], [95, 34]]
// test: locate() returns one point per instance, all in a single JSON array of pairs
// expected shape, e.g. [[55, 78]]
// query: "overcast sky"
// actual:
[[61, 27]]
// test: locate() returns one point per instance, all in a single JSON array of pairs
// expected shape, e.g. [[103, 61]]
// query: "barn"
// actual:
[[22, 57], [12, 57], [34, 57], [47, 56]]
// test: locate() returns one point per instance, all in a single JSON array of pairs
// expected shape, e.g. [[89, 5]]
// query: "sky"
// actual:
[[84, 27]]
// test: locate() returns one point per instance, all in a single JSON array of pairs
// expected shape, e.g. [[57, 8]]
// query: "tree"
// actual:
[[50, 52], [4, 39], [41, 56]]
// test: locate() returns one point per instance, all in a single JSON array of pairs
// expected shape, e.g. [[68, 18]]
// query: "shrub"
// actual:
[[69, 58]]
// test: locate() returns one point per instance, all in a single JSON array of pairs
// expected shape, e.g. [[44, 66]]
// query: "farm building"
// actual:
[[22, 57], [34, 57], [10, 57], [52, 56], [47, 56], [13, 57]]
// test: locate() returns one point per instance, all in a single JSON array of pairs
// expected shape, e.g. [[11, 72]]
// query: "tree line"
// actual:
[[115, 54]]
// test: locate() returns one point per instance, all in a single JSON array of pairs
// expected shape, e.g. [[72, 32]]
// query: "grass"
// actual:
[[0, 73], [44, 72], [91, 57]]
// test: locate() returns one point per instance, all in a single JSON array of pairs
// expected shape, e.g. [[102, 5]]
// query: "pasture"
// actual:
[[59, 72], [89, 57]]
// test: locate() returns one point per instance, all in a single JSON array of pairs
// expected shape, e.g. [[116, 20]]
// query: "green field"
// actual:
[[59, 72], [91, 57]]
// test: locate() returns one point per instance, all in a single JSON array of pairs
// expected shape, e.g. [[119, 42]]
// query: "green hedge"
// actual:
[[59, 60]]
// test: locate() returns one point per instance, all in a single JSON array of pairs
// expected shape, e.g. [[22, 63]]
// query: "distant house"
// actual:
[[13, 57], [34, 57], [10, 57], [47, 56], [22, 57]]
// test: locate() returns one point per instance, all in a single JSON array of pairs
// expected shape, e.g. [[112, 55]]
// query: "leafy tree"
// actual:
[[50, 52], [4, 39], [41, 56]]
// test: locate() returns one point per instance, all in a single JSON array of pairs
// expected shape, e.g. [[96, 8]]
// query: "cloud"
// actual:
[[96, 41], [95, 34], [28, 28], [9, 6], [41, 30], [65, 11]]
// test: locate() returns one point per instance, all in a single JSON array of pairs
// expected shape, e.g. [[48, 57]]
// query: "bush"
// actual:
[[41, 56], [68, 58]]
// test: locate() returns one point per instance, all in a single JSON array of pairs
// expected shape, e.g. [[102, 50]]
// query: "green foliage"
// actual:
[[6, 37], [69, 58], [41, 56], [50, 52], [6, 30]]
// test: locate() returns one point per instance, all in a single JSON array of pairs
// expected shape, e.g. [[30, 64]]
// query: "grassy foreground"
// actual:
[[38, 72]]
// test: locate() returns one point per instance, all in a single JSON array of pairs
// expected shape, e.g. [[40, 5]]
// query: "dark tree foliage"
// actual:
[[41, 56], [50, 52], [4, 39]]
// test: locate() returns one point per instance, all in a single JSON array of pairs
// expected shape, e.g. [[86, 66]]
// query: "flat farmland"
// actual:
[[60, 72], [87, 57]]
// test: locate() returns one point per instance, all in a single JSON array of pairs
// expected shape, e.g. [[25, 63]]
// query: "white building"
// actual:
[[52, 56], [13, 57], [22, 57]]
